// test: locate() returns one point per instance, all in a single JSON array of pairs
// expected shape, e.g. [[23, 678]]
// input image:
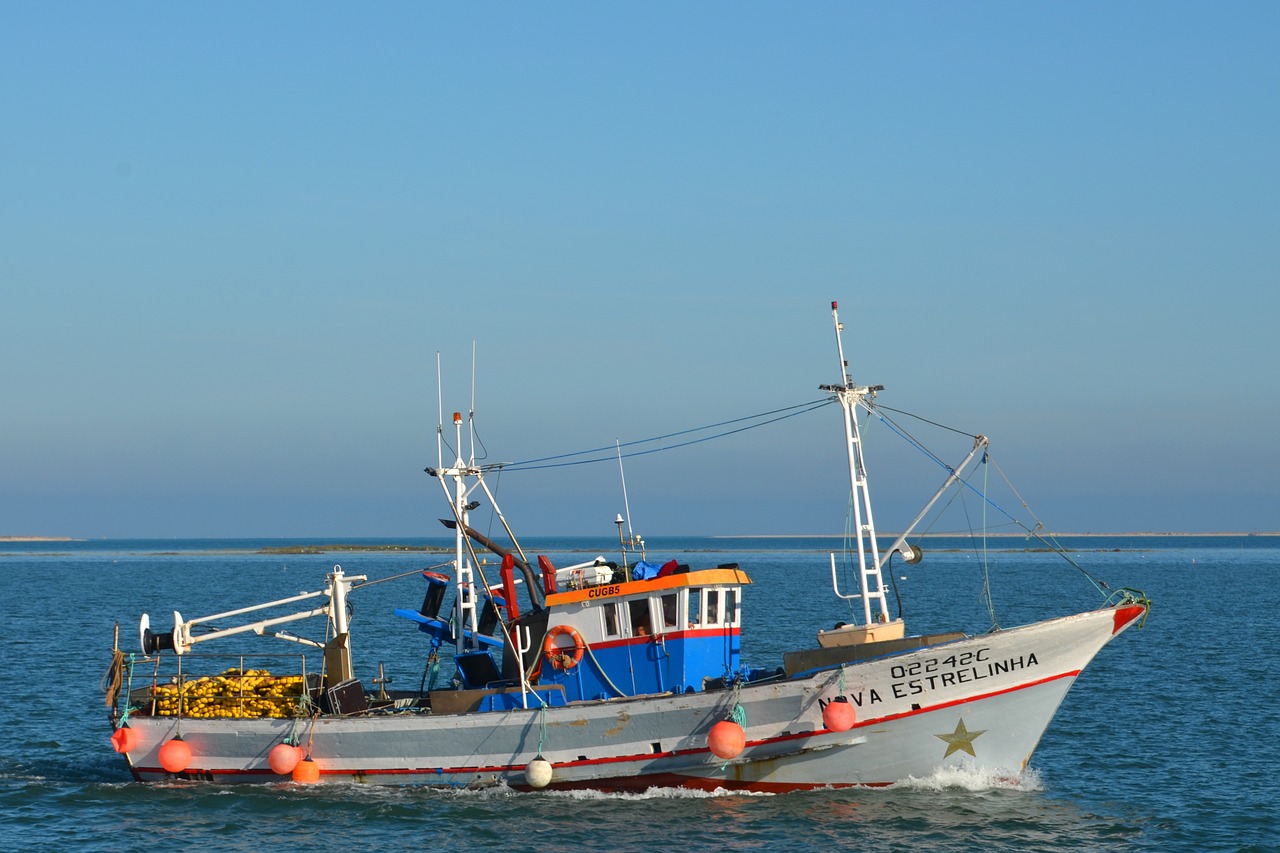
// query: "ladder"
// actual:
[[851, 396]]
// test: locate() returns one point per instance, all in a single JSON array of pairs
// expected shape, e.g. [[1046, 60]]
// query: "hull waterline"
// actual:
[[983, 702]]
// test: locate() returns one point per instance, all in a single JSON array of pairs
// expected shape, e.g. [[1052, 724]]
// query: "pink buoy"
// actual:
[[839, 715], [727, 739], [125, 739], [283, 758], [175, 755], [307, 772]]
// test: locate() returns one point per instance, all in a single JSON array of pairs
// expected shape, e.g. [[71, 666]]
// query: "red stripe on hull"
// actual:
[[628, 783]]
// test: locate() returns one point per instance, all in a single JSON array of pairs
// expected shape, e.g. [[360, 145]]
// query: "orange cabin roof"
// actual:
[[702, 577]]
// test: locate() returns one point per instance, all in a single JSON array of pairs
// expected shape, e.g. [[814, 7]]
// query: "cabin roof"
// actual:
[[703, 577]]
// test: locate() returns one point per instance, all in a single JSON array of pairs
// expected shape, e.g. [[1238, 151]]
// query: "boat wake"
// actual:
[[972, 779], [655, 793]]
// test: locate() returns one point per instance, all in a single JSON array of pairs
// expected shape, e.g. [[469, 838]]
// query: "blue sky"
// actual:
[[236, 235]]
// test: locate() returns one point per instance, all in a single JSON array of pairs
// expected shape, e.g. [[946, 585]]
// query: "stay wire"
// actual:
[[782, 414], [1032, 532], [986, 562], [880, 407]]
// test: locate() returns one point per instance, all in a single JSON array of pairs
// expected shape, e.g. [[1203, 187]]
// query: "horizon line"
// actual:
[[885, 534]]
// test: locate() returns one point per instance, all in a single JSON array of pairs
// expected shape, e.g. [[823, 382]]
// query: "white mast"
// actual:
[[464, 571], [852, 396], [464, 574], [466, 564]]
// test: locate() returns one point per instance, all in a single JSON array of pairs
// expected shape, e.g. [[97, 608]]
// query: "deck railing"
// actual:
[[205, 686]]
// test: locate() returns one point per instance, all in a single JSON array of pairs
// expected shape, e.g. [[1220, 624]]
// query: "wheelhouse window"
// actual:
[[611, 620], [641, 624], [671, 611], [710, 608]]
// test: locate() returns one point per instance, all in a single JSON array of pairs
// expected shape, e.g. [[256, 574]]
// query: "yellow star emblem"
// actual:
[[961, 739]]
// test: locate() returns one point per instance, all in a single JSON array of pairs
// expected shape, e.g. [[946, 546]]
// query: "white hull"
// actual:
[[982, 702]]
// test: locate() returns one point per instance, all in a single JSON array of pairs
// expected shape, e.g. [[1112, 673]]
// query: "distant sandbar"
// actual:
[[962, 535]]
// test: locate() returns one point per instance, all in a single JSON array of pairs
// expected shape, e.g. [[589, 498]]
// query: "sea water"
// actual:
[[1170, 740]]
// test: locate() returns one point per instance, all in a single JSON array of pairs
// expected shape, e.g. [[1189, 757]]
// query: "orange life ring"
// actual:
[[563, 658]]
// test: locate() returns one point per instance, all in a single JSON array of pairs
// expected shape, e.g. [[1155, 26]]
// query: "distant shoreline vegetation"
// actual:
[[325, 549]]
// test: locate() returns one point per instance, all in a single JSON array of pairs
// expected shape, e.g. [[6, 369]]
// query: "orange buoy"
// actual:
[[125, 739], [175, 755], [726, 739], [283, 757], [838, 716], [307, 772]]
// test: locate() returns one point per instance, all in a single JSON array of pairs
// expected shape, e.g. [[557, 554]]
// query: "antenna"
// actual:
[[626, 505], [439, 414], [471, 413], [844, 365], [631, 538]]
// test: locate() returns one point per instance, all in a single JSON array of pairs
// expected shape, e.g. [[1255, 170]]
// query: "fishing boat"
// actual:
[[613, 675]]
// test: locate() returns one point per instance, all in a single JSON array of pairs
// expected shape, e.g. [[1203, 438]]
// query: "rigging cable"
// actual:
[[555, 461], [1032, 532], [754, 421], [986, 562]]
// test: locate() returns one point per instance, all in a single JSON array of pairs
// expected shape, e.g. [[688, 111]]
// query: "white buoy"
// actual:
[[538, 773]]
